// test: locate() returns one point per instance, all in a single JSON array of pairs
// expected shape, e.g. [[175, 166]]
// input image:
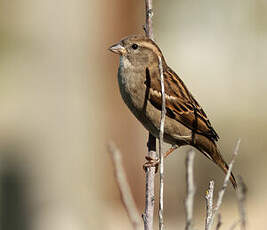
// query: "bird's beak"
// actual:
[[118, 49]]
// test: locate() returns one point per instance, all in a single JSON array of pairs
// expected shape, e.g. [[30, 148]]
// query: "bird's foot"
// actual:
[[170, 150], [151, 162]]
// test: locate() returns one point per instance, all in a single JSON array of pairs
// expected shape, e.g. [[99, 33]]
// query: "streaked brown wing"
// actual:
[[180, 104]]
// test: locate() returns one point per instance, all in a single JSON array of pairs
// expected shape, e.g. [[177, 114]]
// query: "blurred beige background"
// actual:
[[60, 105]]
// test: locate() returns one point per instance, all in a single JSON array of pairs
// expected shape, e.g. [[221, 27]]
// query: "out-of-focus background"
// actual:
[[60, 105]]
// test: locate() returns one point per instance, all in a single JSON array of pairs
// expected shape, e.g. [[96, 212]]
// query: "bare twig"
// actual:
[[225, 183], [124, 187], [234, 225], [209, 205], [219, 223], [241, 196], [149, 15], [161, 132], [150, 197], [190, 187], [150, 191], [150, 171]]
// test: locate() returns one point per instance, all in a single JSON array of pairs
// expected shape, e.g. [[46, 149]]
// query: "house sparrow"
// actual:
[[139, 82]]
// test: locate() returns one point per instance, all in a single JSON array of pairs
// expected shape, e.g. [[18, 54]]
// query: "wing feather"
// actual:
[[180, 104]]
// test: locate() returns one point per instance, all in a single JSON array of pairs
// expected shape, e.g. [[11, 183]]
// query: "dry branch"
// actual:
[[219, 223], [125, 191], [209, 205], [234, 225], [149, 15], [150, 184], [241, 196], [222, 191], [161, 156], [190, 188], [151, 144]]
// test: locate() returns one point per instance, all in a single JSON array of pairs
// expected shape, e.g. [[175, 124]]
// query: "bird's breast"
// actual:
[[132, 86]]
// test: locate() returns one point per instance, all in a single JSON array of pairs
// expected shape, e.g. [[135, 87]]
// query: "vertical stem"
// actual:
[[151, 144], [190, 190], [150, 178], [209, 205], [161, 132], [149, 15]]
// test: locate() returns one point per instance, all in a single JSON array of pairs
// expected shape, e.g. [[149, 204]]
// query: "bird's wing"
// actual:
[[180, 104]]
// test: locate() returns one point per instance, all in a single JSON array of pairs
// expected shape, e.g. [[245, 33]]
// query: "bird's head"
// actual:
[[138, 50]]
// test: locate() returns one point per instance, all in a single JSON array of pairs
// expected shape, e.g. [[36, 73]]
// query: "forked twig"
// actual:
[[222, 191]]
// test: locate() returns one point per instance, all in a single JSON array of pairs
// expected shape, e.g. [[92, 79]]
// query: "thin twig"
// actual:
[[124, 187], [149, 15], [219, 223], [161, 132], [150, 184], [150, 197], [209, 205], [190, 187], [234, 225], [225, 183], [150, 171], [241, 196]]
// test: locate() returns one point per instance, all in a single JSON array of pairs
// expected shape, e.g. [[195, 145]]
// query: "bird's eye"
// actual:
[[134, 46]]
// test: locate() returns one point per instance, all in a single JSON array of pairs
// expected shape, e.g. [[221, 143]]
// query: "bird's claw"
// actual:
[[151, 162], [170, 150]]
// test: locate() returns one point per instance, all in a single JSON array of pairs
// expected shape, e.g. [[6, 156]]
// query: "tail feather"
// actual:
[[210, 150]]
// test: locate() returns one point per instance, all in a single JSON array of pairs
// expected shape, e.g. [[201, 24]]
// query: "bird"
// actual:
[[186, 123]]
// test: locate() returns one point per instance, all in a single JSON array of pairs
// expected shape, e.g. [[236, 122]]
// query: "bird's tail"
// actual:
[[210, 150]]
